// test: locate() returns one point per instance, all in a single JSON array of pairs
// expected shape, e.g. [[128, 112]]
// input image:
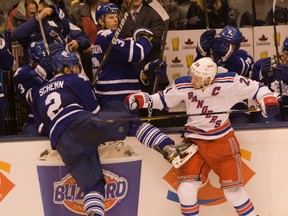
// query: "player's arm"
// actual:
[[170, 97], [82, 86], [124, 50]]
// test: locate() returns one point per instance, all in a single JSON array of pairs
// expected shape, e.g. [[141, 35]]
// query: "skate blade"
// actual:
[[184, 156]]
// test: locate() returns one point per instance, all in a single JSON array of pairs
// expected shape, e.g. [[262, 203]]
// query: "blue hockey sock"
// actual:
[[94, 202], [151, 136]]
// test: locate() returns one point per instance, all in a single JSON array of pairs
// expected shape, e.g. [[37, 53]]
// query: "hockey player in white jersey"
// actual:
[[205, 91], [118, 77]]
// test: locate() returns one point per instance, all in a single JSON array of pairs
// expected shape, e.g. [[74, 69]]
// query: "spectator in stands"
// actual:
[[144, 16], [56, 28], [217, 11], [83, 15], [21, 12]]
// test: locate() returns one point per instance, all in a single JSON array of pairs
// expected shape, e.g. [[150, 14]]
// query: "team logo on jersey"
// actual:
[[5, 184], [67, 193]]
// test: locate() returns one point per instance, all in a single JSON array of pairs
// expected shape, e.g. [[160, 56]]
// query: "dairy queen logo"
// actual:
[[67, 193]]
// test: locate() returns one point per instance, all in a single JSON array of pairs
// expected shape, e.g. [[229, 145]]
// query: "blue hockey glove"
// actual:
[[269, 105], [143, 32], [222, 48], [280, 72], [204, 43], [55, 48], [266, 67], [45, 68], [148, 74], [161, 69]]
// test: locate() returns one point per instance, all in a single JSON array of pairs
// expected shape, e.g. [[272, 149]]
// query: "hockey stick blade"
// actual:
[[174, 116], [182, 158]]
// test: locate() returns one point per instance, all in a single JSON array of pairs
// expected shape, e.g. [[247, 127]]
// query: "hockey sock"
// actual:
[[150, 136], [190, 210], [94, 203], [239, 198], [187, 193]]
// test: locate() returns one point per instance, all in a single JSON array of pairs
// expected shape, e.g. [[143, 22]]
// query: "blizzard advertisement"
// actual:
[[61, 196]]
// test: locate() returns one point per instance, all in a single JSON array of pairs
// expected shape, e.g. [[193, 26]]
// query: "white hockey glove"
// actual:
[[138, 101], [269, 105]]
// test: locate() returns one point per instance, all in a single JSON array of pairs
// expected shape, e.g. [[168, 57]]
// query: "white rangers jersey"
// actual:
[[226, 90]]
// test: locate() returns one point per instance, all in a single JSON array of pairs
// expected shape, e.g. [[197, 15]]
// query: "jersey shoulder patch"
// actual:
[[225, 77], [183, 82]]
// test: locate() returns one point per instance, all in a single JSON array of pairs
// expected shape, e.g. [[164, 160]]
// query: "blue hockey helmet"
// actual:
[[106, 8], [232, 34], [285, 44], [37, 50], [64, 59]]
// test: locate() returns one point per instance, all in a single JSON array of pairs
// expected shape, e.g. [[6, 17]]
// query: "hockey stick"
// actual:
[[113, 41], [41, 27], [175, 116], [277, 59]]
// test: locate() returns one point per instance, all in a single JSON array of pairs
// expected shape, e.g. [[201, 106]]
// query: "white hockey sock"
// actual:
[[239, 198], [187, 193], [94, 202], [150, 136]]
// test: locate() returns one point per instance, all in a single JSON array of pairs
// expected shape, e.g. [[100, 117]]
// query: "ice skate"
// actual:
[[178, 154]]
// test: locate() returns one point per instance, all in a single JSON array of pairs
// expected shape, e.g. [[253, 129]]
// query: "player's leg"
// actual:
[[83, 163], [225, 159], [191, 177], [240, 200], [187, 193], [153, 137]]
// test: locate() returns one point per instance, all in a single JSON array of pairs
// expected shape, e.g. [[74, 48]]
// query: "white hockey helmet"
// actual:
[[204, 68]]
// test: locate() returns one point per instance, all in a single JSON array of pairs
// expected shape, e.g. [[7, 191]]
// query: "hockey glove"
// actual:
[[148, 74], [45, 68], [223, 48], [143, 32], [269, 105], [138, 101], [204, 43], [280, 72], [266, 67]]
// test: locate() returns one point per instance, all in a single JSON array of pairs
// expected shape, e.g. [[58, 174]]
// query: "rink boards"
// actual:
[[139, 181]]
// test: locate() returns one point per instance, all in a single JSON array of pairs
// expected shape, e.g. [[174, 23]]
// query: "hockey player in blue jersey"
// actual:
[[265, 70], [118, 78], [38, 71], [224, 48], [65, 109], [205, 91], [57, 29]]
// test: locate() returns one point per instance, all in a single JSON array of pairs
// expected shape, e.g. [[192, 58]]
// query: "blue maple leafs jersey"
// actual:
[[118, 77], [59, 101], [25, 78]]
